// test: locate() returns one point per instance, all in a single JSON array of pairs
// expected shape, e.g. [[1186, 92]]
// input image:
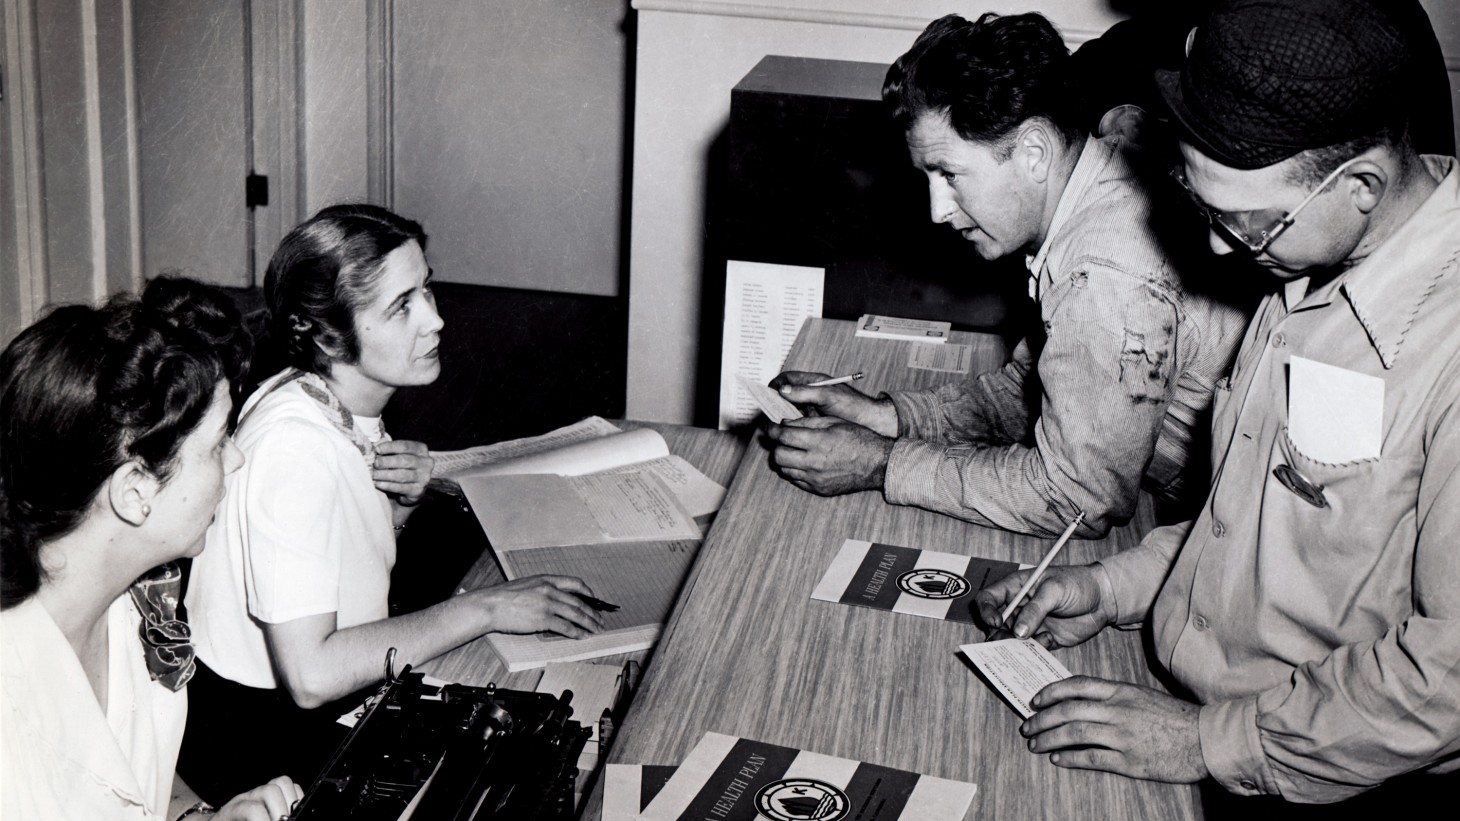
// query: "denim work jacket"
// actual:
[[1109, 395]]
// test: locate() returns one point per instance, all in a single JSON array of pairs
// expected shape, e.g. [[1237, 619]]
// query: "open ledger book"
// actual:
[[613, 508]]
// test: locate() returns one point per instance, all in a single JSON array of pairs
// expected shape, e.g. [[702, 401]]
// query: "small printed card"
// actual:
[[949, 358], [1017, 669], [735, 779], [896, 327], [907, 580], [775, 407]]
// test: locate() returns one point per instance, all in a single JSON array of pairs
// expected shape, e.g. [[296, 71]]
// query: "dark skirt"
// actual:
[[240, 737]]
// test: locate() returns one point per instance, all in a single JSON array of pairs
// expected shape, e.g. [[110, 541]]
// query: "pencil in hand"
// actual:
[[1003, 630], [597, 604], [836, 380]]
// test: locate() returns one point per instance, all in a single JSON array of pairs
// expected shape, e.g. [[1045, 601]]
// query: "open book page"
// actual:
[[642, 578], [452, 462], [589, 456], [699, 494], [541, 510]]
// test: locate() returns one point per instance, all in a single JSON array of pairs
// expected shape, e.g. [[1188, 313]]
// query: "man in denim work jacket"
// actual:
[[1106, 396], [1312, 608]]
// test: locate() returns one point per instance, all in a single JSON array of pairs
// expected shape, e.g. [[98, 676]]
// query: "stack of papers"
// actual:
[[911, 330], [614, 509]]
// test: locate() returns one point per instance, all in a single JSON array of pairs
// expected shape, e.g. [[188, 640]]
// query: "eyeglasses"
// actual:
[[1234, 228]]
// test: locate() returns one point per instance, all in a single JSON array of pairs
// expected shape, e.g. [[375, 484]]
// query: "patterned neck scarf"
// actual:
[[166, 639], [317, 389]]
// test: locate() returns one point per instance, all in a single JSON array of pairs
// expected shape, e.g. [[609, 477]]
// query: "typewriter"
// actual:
[[453, 753]]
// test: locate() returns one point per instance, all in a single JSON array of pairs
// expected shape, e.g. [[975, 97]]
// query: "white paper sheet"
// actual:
[[699, 494], [948, 358], [582, 457], [775, 407], [452, 462], [542, 510], [1334, 415], [1017, 669], [765, 306]]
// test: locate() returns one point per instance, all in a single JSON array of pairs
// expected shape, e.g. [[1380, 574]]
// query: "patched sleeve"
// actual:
[[1107, 375], [992, 407]]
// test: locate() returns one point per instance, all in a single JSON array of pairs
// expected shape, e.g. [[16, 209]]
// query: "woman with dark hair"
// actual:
[[112, 456], [289, 605]]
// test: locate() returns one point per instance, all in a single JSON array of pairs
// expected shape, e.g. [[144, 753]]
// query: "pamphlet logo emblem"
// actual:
[[801, 799], [932, 584]]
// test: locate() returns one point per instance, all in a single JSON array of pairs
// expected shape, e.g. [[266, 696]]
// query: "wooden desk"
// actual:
[[749, 653], [715, 453]]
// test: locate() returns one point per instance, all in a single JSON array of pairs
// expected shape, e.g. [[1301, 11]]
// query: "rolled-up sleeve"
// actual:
[[1107, 374]]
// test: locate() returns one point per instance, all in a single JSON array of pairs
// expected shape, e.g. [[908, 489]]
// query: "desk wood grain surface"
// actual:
[[749, 653], [715, 453]]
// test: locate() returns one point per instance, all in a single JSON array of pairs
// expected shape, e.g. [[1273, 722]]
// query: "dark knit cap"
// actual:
[[1266, 79]]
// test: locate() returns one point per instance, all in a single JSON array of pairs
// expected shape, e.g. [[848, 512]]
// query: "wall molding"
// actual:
[[861, 19], [380, 100], [23, 107], [95, 165]]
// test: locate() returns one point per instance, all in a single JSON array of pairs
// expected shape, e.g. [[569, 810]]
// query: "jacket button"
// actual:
[[1279, 341], [1200, 622], [1218, 529]]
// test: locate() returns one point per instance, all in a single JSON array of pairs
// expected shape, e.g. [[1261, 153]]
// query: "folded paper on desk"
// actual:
[[1017, 669], [629, 788], [736, 779], [907, 580]]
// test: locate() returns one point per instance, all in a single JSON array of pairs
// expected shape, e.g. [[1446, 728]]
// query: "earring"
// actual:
[[146, 510]]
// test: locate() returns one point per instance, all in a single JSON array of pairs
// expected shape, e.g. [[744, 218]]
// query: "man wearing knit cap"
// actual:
[[1312, 608]]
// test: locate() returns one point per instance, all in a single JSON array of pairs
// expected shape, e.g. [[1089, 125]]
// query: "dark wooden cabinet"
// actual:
[[818, 175]]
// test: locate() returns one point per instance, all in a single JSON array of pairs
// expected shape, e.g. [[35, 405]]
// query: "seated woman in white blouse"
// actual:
[[289, 604], [112, 456]]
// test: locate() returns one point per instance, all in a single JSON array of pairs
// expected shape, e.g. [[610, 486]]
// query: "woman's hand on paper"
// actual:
[[270, 802], [842, 401], [1065, 608], [1087, 723], [829, 456], [541, 604]]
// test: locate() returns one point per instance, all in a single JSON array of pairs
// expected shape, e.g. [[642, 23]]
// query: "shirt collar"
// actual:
[[1387, 289], [45, 665], [1093, 157]]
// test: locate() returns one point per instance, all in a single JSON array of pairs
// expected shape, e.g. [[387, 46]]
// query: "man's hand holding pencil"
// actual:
[[1058, 606]]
